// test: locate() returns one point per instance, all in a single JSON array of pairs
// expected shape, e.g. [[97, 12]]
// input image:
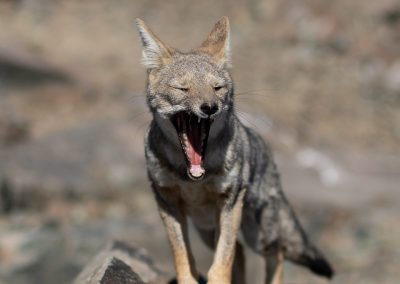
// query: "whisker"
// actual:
[[255, 95], [250, 99], [256, 91], [247, 96], [241, 116], [137, 115], [140, 127], [139, 96]]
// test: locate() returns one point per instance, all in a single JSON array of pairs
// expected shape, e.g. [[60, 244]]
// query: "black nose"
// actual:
[[208, 109]]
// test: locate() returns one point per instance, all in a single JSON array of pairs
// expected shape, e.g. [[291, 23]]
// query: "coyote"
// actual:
[[202, 162]]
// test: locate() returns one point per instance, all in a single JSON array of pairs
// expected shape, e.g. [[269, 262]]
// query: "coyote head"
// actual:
[[189, 93]]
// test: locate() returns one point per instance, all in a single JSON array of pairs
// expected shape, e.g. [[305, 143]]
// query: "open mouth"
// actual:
[[193, 134]]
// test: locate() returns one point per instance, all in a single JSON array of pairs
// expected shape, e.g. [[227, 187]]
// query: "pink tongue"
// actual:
[[194, 155], [194, 149]]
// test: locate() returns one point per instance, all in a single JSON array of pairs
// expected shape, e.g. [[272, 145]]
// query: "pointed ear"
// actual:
[[217, 43], [155, 53]]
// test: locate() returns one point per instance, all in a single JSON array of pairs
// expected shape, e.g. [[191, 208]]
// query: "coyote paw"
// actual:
[[219, 280], [202, 280]]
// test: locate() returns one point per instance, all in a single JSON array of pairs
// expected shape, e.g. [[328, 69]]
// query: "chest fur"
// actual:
[[201, 204], [200, 199]]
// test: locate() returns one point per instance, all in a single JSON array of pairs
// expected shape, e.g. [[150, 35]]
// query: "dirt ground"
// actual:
[[319, 80]]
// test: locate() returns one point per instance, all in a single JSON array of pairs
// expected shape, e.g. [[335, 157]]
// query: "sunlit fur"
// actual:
[[241, 187]]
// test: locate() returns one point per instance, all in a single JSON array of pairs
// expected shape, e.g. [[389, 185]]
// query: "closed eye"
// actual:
[[183, 89]]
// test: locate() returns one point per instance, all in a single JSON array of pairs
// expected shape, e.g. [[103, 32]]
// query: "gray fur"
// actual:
[[236, 158]]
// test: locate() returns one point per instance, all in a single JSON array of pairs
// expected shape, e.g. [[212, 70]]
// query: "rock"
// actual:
[[13, 130], [119, 263], [393, 77], [392, 16], [20, 66], [96, 155], [6, 197], [117, 272]]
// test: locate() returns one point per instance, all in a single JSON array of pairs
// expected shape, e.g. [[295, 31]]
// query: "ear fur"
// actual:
[[217, 43], [155, 53]]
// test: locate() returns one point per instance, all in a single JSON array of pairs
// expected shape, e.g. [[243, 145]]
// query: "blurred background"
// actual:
[[318, 79]]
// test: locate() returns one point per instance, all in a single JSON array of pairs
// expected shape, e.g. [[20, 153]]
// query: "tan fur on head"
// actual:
[[155, 52], [183, 81]]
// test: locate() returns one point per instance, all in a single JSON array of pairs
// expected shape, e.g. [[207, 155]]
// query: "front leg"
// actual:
[[229, 223], [274, 261], [174, 219]]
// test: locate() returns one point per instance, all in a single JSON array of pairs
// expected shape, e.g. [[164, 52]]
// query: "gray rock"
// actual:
[[117, 272], [119, 263]]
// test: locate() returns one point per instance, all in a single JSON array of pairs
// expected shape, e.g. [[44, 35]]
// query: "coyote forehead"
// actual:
[[190, 68]]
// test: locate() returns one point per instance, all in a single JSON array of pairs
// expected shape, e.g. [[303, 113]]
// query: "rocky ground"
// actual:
[[319, 80]]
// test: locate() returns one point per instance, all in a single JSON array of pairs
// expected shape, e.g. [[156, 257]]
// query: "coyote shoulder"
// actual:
[[203, 163]]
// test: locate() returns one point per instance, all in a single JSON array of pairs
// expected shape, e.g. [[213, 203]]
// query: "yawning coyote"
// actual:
[[204, 163]]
